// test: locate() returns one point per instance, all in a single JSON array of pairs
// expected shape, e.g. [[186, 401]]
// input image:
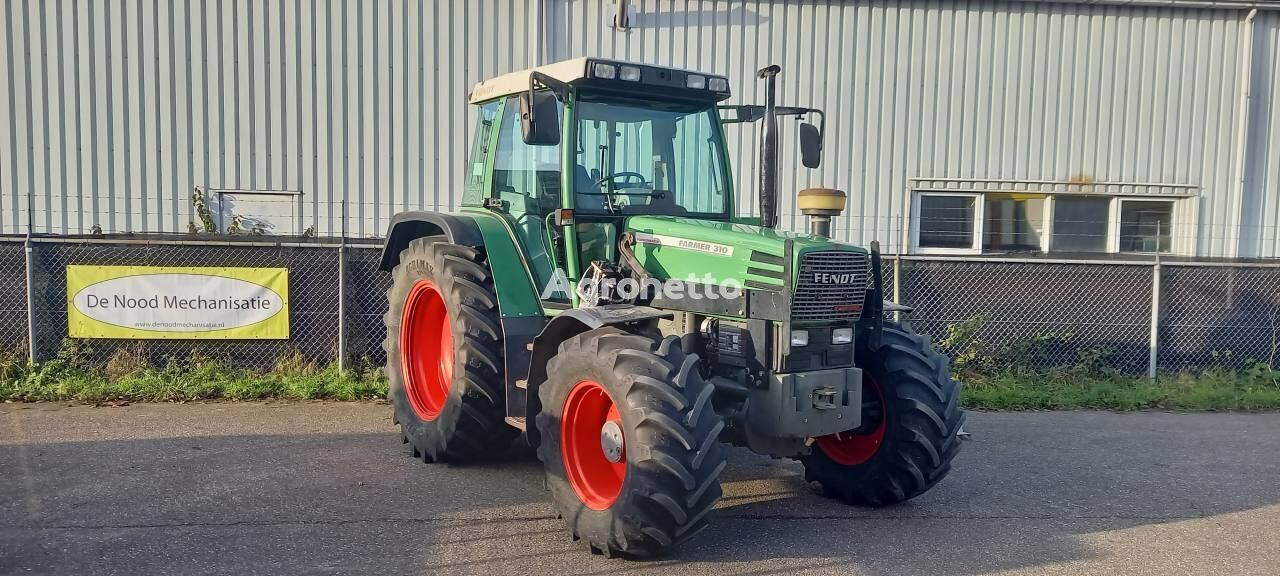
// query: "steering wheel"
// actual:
[[628, 175]]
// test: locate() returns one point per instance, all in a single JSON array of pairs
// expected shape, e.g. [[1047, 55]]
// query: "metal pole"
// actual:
[[1153, 343], [31, 298], [342, 304], [342, 289], [897, 270], [31, 309]]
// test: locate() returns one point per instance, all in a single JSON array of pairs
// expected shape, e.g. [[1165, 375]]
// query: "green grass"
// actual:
[[1011, 376], [194, 378], [1252, 389], [127, 376]]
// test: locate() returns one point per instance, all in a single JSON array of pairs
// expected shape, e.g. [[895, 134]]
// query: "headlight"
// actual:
[[630, 74], [606, 71], [695, 81], [799, 337], [718, 84], [842, 336]]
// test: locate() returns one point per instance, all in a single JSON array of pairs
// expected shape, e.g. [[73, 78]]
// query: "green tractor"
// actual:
[[600, 293]]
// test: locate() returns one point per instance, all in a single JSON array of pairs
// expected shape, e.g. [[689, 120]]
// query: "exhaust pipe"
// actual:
[[769, 149]]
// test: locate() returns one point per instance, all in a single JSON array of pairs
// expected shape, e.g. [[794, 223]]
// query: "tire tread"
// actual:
[[673, 476], [922, 439]]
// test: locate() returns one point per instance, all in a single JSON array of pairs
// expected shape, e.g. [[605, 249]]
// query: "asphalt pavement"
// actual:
[[318, 488]]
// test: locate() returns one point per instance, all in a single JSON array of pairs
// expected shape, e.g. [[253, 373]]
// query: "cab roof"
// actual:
[[579, 72]]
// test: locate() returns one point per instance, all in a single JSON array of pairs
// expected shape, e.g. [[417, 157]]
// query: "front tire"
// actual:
[[630, 442], [911, 422], [444, 354]]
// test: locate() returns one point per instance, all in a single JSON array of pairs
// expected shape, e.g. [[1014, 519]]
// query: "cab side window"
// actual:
[[526, 177], [473, 190], [527, 181]]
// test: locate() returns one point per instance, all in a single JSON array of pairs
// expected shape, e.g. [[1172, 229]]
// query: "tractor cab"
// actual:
[[597, 142]]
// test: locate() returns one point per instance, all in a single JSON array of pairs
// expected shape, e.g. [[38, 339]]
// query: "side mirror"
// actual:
[[539, 119], [810, 145]]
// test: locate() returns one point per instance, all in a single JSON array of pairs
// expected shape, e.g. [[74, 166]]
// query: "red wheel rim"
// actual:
[[853, 449], [595, 479], [426, 350]]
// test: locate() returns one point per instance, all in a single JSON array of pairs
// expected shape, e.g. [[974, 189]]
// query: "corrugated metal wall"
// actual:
[[116, 109], [985, 90], [1260, 233]]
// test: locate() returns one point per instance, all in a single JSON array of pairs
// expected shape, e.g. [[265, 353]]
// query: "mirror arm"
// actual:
[[742, 113], [529, 106], [560, 89], [556, 87]]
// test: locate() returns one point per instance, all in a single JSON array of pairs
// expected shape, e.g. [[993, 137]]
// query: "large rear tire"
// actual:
[[630, 442], [909, 434], [444, 354]]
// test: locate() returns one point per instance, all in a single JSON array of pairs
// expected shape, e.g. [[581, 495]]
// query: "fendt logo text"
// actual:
[[829, 278]]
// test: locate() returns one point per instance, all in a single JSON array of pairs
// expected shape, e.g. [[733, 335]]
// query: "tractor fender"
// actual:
[[406, 226], [568, 324]]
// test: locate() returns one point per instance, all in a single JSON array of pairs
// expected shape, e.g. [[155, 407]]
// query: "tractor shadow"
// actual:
[[1030, 490]]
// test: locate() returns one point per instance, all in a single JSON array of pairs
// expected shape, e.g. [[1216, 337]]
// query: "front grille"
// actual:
[[831, 286]]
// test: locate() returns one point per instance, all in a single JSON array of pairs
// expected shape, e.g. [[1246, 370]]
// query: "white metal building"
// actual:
[[958, 126]]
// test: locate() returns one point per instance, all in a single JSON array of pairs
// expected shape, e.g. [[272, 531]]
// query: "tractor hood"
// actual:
[[712, 252]]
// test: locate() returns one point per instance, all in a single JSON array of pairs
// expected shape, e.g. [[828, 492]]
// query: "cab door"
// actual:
[[526, 181]]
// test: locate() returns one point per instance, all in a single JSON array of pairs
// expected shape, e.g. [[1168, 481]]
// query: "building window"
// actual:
[[947, 222], [1145, 226], [1013, 222], [1080, 223]]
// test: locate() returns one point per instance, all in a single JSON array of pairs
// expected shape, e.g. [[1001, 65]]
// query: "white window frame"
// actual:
[[979, 207], [1113, 224], [1183, 212], [1047, 217], [1117, 210]]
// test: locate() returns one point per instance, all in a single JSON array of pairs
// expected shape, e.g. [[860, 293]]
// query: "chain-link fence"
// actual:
[[1130, 316], [13, 299], [320, 312], [313, 298], [1218, 315], [366, 296], [1039, 313]]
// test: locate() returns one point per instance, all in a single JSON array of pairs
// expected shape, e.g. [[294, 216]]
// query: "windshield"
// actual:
[[637, 158]]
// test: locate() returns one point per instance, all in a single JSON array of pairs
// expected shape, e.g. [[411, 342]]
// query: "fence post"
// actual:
[[31, 300], [342, 304], [897, 268], [342, 287], [1153, 352]]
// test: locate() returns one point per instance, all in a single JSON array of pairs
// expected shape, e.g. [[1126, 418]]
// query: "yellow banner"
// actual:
[[177, 303]]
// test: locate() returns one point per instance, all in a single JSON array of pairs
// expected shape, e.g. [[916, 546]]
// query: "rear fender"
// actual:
[[408, 226]]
